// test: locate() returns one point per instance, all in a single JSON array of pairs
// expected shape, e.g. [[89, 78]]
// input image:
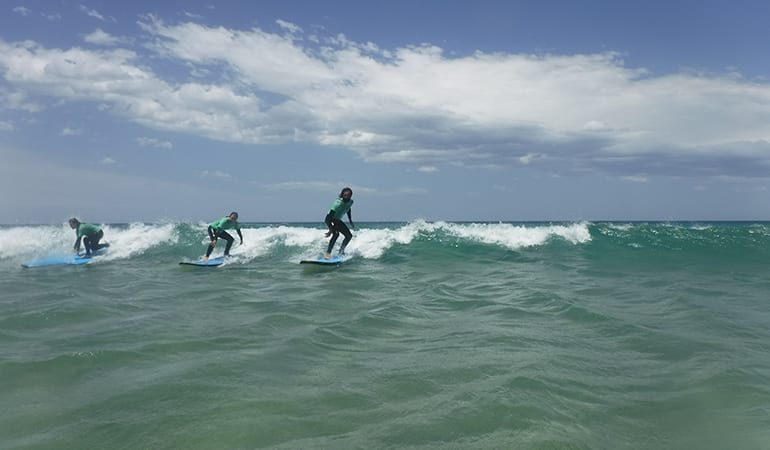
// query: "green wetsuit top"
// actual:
[[225, 224], [340, 207], [85, 229]]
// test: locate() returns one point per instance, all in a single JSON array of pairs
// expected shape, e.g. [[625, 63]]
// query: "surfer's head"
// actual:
[[346, 193], [233, 216], [74, 223]]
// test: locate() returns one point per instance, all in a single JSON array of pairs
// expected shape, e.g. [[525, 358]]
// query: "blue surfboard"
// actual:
[[213, 262], [324, 262], [67, 260]]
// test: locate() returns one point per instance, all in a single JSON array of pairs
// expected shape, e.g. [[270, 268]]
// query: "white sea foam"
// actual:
[[52, 240], [372, 243], [36, 241], [302, 242], [137, 239], [260, 241], [518, 236], [311, 242]]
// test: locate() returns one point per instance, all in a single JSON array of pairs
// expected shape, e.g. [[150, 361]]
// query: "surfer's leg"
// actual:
[[225, 235], [212, 242], [91, 242], [333, 240], [348, 236], [95, 245]]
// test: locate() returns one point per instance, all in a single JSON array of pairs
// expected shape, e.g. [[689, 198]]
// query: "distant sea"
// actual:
[[434, 335]]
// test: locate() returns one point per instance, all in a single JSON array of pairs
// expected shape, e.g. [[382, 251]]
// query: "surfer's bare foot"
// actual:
[[328, 256], [206, 258]]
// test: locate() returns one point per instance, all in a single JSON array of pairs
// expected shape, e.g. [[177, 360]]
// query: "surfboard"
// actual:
[[68, 260], [324, 262], [213, 262]]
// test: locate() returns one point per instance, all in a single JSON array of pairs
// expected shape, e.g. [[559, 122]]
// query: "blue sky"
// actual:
[[435, 110]]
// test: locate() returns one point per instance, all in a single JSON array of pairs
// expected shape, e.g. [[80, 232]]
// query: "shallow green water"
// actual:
[[434, 335]]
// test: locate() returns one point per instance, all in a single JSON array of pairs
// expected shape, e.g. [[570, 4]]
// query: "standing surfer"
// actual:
[[333, 220], [217, 230]]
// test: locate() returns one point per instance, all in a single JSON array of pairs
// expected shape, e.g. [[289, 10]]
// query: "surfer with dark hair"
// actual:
[[217, 230], [333, 220], [91, 235]]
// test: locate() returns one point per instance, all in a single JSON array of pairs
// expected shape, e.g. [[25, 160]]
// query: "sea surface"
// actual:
[[434, 335]]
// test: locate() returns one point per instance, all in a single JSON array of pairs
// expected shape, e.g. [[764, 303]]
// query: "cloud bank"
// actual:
[[578, 113]]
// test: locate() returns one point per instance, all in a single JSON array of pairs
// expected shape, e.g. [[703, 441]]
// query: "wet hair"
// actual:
[[73, 222], [346, 189], [236, 214]]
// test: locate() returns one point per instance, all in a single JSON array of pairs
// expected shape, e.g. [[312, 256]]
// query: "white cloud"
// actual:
[[428, 169], [91, 12], [21, 10], [152, 142], [100, 37], [6, 126], [288, 26], [304, 186], [18, 100], [415, 104], [636, 178], [67, 131], [107, 161], [216, 174]]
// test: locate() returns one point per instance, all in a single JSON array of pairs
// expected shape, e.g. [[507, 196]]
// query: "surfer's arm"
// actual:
[[350, 219], [239, 234], [213, 234]]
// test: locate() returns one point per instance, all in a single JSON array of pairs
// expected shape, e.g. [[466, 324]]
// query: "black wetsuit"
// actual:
[[214, 234], [337, 226]]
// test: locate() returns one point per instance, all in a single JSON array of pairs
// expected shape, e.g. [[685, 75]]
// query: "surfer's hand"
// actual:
[[328, 233], [213, 242], [241, 241]]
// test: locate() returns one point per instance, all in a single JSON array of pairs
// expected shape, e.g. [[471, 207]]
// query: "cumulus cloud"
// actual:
[[100, 37], [415, 104], [18, 100]]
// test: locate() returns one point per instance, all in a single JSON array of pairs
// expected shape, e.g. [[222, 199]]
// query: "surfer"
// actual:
[[91, 235], [217, 230], [334, 221]]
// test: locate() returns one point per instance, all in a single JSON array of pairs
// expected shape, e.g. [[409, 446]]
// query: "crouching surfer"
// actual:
[[217, 230], [90, 234]]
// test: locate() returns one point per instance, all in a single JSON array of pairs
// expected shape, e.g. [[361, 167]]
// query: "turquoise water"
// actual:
[[434, 335]]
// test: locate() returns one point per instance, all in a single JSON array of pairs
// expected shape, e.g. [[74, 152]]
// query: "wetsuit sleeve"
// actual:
[[239, 234], [350, 218], [77, 244]]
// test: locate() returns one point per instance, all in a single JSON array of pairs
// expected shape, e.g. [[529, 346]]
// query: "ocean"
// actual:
[[434, 335]]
